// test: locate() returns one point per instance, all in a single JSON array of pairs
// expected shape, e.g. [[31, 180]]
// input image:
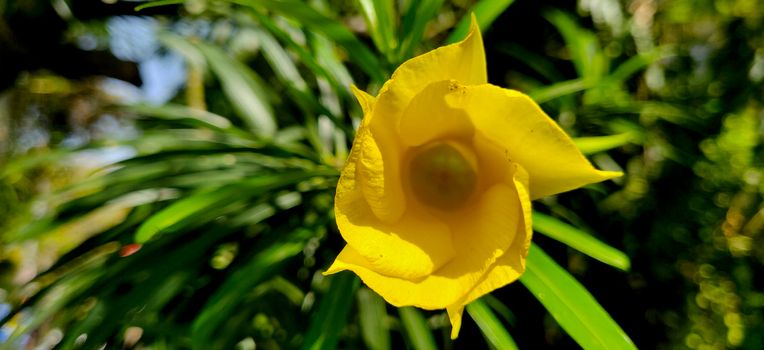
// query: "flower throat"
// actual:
[[442, 175]]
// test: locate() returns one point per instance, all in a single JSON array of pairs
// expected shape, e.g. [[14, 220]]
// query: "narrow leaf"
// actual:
[[225, 300], [585, 51], [158, 3], [580, 240], [177, 112], [23, 163], [416, 329], [372, 312], [327, 323], [539, 63], [280, 61], [571, 305], [490, 325], [197, 203], [380, 20], [183, 47], [318, 22], [596, 144], [499, 308], [563, 88], [183, 209], [485, 11], [637, 63], [336, 73], [245, 93], [414, 23]]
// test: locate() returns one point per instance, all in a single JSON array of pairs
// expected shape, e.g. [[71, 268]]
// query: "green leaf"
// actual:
[[183, 209], [502, 310], [380, 19], [53, 301], [669, 112], [158, 3], [571, 305], [563, 88], [318, 22], [226, 298], [596, 144], [327, 323], [183, 47], [540, 64], [372, 312], [243, 89], [485, 11], [325, 53], [17, 166], [193, 205], [416, 329], [580, 240], [585, 51], [293, 293], [280, 61], [297, 88], [180, 112], [492, 329], [415, 21], [333, 70], [638, 62]]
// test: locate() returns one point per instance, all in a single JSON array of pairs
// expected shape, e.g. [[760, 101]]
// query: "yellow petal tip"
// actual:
[[474, 32], [474, 26], [337, 266], [607, 175], [364, 99], [455, 316], [356, 91]]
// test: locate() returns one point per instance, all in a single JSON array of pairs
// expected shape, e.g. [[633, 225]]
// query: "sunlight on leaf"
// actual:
[[309, 17], [596, 144], [492, 329], [571, 305], [414, 23], [158, 3], [245, 92], [580, 240]]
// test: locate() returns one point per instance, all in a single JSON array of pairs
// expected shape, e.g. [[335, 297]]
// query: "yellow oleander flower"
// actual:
[[434, 201]]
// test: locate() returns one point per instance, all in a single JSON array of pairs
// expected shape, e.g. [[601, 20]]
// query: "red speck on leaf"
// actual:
[[129, 249]]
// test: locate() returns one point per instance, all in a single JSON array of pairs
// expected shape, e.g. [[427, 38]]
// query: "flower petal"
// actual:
[[455, 313], [510, 266], [412, 246], [431, 292], [506, 270], [429, 117], [365, 100], [463, 61], [482, 237], [378, 176], [494, 164], [532, 139]]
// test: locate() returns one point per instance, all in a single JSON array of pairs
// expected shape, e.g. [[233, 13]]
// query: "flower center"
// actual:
[[443, 174]]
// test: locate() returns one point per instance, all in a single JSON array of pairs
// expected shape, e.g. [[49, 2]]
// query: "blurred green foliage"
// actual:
[[204, 220]]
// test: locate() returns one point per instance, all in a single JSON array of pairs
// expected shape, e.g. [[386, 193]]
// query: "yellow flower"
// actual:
[[434, 201]]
